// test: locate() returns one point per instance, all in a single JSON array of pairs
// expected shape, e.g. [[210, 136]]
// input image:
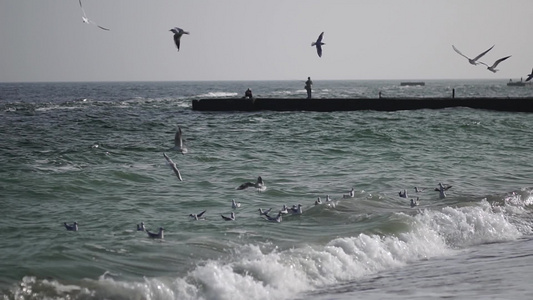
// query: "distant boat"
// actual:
[[413, 83]]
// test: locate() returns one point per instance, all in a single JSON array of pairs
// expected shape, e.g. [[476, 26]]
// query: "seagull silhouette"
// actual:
[[472, 61], [178, 32], [87, 21], [495, 64], [318, 44]]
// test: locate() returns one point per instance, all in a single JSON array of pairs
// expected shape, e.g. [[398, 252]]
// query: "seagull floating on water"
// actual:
[[197, 216], [178, 142], [441, 190], [318, 201], [284, 209], [259, 184], [178, 32], [418, 190], [73, 227], [277, 218], [318, 44], [404, 194], [529, 76], [87, 21], [444, 186], [264, 212], [230, 218], [414, 203], [495, 64], [235, 204], [296, 210], [159, 235], [141, 227], [351, 194], [173, 166], [472, 61]]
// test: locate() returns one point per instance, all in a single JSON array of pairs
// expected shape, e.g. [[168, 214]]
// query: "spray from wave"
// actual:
[[266, 272]]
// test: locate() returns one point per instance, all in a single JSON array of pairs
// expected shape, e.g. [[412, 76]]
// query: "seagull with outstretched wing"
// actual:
[[178, 32], [87, 21], [529, 76], [318, 44], [495, 64], [472, 61]]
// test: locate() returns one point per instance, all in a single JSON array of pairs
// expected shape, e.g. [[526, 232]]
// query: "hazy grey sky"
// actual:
[[46, 40]]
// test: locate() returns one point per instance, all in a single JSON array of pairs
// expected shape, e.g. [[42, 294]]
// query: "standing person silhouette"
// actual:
[[308, 85]]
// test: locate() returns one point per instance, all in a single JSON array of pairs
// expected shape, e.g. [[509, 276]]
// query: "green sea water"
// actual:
[[92, 153]]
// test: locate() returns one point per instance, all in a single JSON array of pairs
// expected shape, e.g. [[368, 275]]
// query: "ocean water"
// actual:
[[92, 153]]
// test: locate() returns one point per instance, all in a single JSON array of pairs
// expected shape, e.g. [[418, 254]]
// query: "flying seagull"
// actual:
[[495, 64], [87, 21], [318, 44], [529, 76], [178, 142], [173, 166], [178, 32], [472, 61]]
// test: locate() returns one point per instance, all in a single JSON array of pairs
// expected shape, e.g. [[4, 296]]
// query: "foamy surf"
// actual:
[[264, 271]]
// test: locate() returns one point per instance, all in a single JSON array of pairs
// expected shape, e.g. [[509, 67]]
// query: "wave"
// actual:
[[264, 271], [217, 94]]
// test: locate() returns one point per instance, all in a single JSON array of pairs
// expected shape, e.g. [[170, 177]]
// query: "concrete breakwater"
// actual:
[[351, 104]]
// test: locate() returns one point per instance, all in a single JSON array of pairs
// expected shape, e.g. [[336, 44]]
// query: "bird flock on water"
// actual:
[[270, 214]]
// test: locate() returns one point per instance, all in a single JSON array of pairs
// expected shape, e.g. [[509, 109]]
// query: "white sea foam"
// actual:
[[267, 272], [217, 94]]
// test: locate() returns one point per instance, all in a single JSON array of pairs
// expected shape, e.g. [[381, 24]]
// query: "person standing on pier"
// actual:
[[308, 85]]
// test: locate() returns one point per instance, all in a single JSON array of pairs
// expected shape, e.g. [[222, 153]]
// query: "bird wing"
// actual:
[[456, 50], [173, 166], [319, 50], [529, 76], [245, 185], [479, 56], [500, 60], [82, 10], [178, 141], [102, 27], [200, 214], [319, 40], [177, 38]]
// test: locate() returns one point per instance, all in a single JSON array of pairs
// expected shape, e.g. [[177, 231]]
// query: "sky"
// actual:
[[46, 41]]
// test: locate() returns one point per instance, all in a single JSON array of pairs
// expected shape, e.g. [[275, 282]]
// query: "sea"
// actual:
[[92, 153]]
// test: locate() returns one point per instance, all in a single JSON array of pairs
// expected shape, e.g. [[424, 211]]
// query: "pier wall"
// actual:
[[347, 104]]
